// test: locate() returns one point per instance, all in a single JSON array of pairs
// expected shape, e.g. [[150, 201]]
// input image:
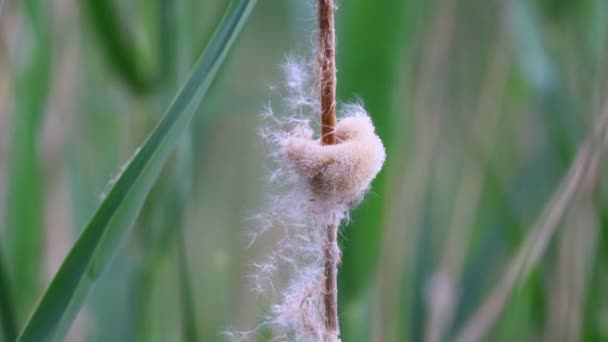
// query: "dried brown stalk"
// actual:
[[327, 65], [331, 284], [327, 82], [447, 277], [581, 179]]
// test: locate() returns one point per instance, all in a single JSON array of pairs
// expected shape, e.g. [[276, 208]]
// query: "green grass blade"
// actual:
[[119, 47], [188, 310], [25, 205], [8, 321], [547, 81], [168, 38], [117, 213], [372, 42], [369, 73]]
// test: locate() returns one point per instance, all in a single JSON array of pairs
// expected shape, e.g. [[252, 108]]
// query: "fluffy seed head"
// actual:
[[342, 172], [314, 185]]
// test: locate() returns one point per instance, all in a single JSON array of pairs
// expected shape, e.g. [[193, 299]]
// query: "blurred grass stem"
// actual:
[[446, 280], [424, 139], [8, 321], [582, 178]]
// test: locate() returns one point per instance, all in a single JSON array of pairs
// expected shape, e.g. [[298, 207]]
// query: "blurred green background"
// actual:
[[482, 106]]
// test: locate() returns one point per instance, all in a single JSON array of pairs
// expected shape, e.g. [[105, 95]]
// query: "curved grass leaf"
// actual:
[[117, 213]]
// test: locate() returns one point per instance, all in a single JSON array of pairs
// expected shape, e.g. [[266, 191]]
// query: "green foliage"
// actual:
[[175, 222], [118, 211], [25, 212], [129, 60], [7, 309], [372, 42]]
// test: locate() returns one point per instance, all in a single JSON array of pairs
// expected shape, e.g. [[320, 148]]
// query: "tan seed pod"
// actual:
[[340, 172]]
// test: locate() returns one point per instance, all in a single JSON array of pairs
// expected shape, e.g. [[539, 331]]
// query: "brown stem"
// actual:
[[327, 65], [332, 257], [327, 82]]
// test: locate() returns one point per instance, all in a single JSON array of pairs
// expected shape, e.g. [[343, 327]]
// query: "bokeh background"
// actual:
[[482, 106]]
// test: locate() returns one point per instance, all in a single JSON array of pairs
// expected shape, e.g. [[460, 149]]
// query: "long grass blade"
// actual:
[[383, 33], [117, 213], [189, 326], [25, 208], [8, 321]]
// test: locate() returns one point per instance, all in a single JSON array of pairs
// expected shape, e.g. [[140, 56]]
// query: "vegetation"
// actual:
[[121, 223]]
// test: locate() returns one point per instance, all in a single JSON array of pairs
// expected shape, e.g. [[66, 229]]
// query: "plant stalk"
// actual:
[[327, 83], [332, 258], [327, 66]]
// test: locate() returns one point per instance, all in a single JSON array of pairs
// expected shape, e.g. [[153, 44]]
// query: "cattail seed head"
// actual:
[[339, 173], [314, 186]]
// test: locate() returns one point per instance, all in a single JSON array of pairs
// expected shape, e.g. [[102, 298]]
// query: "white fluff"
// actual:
[[318, 186], [339, 173]]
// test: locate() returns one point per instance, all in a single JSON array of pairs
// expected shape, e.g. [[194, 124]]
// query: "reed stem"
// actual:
[[327, 66], [332, 257], [327, 82]]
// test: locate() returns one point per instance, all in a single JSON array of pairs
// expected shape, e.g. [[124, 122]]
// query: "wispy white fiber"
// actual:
[[317, 185]]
